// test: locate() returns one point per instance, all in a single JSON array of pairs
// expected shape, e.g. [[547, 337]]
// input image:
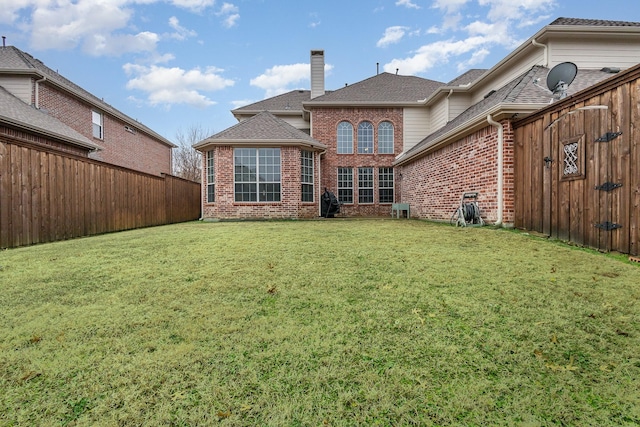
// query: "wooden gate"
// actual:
[[577, 167]]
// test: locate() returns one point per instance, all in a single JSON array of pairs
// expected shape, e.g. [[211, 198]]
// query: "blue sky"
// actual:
[[178, 64]]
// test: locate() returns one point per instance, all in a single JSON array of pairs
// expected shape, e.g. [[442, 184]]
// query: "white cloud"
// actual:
[[181, 33], [472, 42], [392, 35], [516, 9], [282, 78], [195, 5], [10, 8], [407, 3], [167, 86], [230, 14]]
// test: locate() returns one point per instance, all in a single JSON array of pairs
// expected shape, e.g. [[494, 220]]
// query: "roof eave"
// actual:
[[368, 104], [498, 112], [203, 145], [54, 135]]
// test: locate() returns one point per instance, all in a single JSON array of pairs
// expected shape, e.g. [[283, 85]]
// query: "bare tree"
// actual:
[[187, 162]]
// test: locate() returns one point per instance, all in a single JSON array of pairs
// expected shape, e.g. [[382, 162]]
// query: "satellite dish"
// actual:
[[560, 77]]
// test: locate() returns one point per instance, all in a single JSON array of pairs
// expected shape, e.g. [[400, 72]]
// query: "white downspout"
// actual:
[[44, 78], [546, 51], [500, 130]]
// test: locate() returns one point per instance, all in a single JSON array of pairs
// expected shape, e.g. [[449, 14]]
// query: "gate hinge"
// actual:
[[608, 226], [609, 136], [608, 186]]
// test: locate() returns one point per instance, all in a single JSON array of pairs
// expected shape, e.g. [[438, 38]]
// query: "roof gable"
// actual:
[[262, 129]]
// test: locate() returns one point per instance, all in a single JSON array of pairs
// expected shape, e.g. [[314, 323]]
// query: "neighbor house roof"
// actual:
[[16, 113], [381, 89], [15, 61], [468, 77], [519, 97], [262, 129], [594, 22]]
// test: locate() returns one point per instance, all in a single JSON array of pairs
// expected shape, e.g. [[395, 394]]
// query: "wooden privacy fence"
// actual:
[[577, 165], [47, 196]]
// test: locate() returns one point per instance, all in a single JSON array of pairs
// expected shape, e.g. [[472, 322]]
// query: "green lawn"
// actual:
[[312, 323]]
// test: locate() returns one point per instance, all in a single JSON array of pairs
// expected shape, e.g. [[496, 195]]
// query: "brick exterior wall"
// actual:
[[433, 185], [324, 129], [137, 151], [290, 206]]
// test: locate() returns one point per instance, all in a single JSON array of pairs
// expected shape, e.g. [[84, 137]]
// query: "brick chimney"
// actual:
[[317, 73]]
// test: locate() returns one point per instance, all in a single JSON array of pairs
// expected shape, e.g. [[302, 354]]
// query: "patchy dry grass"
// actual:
[[317, 323]]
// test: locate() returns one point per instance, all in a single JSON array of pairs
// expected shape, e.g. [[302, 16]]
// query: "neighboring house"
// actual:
[[57, 108], [403, 139]]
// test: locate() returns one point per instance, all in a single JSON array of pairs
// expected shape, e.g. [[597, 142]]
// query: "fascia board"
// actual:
[[201, 146]]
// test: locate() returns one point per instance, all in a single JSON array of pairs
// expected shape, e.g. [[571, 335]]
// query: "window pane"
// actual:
[[365, 138], [345, 185], [211, 176], [306, 161], [385, 138], [257, 174], [365, 185], [96, 119], [385, 185], [345, 138]]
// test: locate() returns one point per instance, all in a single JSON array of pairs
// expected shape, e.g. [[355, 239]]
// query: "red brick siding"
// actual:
[[137, 150], [290, 205], [324, 129], [433, 185]]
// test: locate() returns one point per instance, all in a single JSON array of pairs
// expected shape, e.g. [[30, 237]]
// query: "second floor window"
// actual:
[[365, 138], [96, 119], [385, 138], [345, 138]]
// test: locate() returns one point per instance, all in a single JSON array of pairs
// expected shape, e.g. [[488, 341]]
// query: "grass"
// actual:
[[373, 322]]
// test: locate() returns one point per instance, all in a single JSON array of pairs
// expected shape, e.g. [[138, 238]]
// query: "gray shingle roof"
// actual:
[[520, 91], [383, 88], [15, 112], [594, 22], [13, 60], [263, 128], [468, 77], [287, 101]]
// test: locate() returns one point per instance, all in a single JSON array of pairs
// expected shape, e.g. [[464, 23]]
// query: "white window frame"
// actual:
[[365, 185], [365, 138], [345, 185], [211, 178], [385, 138], [262, 182], [306, 178], [386, 185], [97, 123], [344, 137]]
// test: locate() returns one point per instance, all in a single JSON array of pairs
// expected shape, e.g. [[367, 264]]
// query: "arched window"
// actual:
[[345, 138], [365, 138], [385, 138]]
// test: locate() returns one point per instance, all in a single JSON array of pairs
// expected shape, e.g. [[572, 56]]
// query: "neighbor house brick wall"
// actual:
[[290, 206], [433, 185], [324, 129], [133, 150]]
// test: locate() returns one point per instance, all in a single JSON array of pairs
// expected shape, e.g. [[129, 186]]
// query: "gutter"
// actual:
[[500, 194]]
